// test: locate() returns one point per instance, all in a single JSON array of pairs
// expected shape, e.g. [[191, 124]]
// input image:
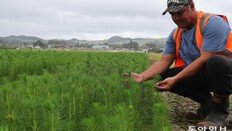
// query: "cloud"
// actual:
[[88, 19]]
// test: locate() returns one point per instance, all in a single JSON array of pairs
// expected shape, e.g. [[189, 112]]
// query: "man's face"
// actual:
[[183, 18]]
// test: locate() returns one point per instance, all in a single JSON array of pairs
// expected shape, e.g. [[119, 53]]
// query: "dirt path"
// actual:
[[178, 106]]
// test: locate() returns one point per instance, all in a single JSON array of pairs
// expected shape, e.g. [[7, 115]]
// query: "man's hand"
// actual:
[[137, 77], [166, 84]]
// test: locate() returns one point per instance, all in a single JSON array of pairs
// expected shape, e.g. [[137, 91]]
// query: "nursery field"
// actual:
[[81, 91]]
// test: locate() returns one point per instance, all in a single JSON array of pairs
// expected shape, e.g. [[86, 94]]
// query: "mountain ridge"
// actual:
[[13, 39]]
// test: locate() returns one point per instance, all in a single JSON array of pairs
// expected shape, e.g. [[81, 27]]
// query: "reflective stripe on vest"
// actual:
[[202, 20]]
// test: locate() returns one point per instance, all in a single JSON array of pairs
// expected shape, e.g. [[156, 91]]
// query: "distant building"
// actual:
[[101, 47]]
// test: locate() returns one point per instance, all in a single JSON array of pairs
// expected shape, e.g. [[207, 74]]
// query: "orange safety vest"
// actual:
[[202, 19]]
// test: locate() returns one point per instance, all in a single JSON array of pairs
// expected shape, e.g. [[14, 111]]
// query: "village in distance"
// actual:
[[114, 44]]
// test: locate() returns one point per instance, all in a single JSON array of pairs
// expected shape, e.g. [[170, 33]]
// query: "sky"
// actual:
[[94, 19]]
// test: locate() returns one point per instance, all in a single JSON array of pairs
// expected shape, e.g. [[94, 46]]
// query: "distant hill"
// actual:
[[113, 40], [116, 39], [141, 41], [19, 39], [73, 41]]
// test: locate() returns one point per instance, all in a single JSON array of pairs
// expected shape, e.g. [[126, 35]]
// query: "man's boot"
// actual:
[[219, 114], [201, 113]]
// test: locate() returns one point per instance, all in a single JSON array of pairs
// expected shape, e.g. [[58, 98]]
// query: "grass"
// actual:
[[58, 90], [153, 57]]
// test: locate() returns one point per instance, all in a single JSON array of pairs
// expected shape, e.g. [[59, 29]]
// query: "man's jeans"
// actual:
[[215, 77]]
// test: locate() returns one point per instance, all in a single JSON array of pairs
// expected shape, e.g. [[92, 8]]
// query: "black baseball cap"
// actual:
[[175, 5]]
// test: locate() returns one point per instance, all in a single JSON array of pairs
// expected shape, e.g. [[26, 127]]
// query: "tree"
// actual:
[[39, 43], [131, 45], [77, 44]]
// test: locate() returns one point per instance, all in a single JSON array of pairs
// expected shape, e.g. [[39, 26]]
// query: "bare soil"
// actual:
[[178, 106]]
